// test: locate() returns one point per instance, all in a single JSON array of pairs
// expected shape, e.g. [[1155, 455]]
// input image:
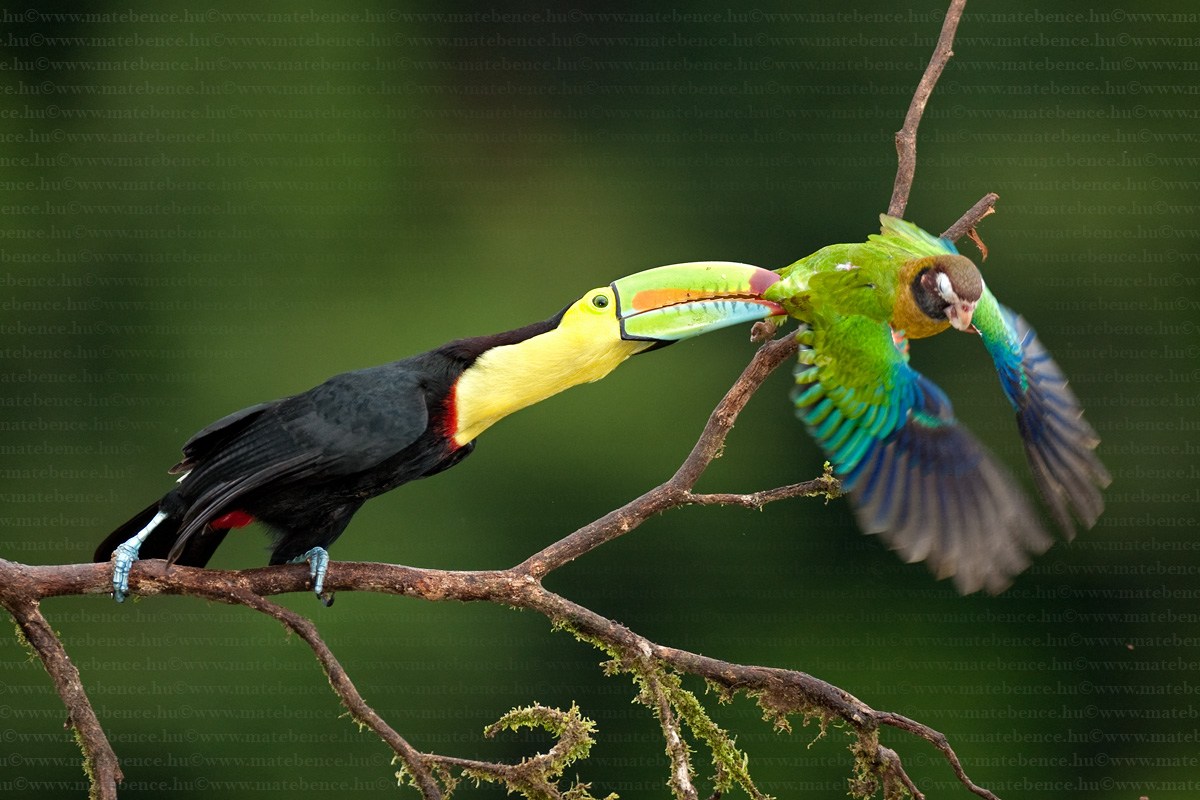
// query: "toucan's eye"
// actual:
[[597, 301]]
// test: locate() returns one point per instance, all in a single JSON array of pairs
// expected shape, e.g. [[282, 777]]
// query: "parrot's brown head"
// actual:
[[946, 288]]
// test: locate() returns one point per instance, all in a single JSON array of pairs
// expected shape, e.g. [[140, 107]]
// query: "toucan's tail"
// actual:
[[196, 553]]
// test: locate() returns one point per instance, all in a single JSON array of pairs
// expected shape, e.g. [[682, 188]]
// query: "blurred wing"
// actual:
[[1059, 443], [914, 474]]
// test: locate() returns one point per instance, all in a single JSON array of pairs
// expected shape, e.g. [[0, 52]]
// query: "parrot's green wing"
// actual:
[[1059, 443], [912, 241], [914, 474]]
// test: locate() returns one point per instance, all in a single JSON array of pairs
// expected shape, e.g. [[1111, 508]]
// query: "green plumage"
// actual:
[[860, 278], [914, 474]]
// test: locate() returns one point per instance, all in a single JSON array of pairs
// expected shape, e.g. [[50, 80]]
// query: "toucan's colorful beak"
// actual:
[[679, 301]]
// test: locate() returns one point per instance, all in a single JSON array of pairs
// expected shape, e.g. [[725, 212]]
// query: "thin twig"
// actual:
[[677, 750], [938, 740], [339, 680], [766, 360], [675, 491], [893, 770], [534, 776], [348, 693], [967, 222], [826, 486], [906, 137]]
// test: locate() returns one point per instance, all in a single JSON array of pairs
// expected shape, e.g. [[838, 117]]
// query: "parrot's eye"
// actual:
[[600, 301], [945, 288]]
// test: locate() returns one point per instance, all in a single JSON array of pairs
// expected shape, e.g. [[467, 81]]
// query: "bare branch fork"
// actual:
[[655, 667]]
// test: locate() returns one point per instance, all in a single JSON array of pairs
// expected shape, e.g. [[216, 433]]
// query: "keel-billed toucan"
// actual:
[[303, 465], [914, 473]]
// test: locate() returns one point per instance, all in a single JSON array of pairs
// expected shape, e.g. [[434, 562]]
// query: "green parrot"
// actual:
[[913, 473]]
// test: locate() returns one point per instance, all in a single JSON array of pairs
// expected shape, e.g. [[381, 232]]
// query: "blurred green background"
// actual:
[[204, 208]]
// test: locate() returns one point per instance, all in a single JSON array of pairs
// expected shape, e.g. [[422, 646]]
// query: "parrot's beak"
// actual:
[[667, 304], [960, 314]]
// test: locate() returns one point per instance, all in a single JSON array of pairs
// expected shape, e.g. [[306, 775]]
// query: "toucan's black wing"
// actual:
[[209, 439], [356, 420], [347, 425]]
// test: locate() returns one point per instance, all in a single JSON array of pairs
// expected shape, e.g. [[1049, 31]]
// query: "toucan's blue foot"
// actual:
[[126, 553], [123, 558], [318, 565]]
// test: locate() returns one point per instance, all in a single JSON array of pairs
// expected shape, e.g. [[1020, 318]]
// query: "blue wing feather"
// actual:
[[1059, 443], [914, 474]]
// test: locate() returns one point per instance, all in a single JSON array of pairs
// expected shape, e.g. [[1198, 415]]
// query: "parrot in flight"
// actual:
[[914, 474]]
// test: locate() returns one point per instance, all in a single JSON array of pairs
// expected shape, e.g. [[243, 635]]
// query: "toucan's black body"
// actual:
[[303, 465]]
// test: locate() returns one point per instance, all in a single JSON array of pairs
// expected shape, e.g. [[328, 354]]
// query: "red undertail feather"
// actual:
[[234, 519]]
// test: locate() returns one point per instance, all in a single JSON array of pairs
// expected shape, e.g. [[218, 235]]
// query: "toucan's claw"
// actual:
[[126, 553], [318, 565], [123, 558]]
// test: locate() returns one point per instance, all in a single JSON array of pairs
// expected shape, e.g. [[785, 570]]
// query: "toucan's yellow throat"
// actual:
[[586, 346], [603, 328]]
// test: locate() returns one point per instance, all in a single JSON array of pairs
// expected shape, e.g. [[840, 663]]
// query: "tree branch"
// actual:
[[676, 491], [906, 137], [342, 686], [984, 207], [677, 750], [536, 775], [965, 226], [18, 595], [939, 741], [780, 692], [825, 486]]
